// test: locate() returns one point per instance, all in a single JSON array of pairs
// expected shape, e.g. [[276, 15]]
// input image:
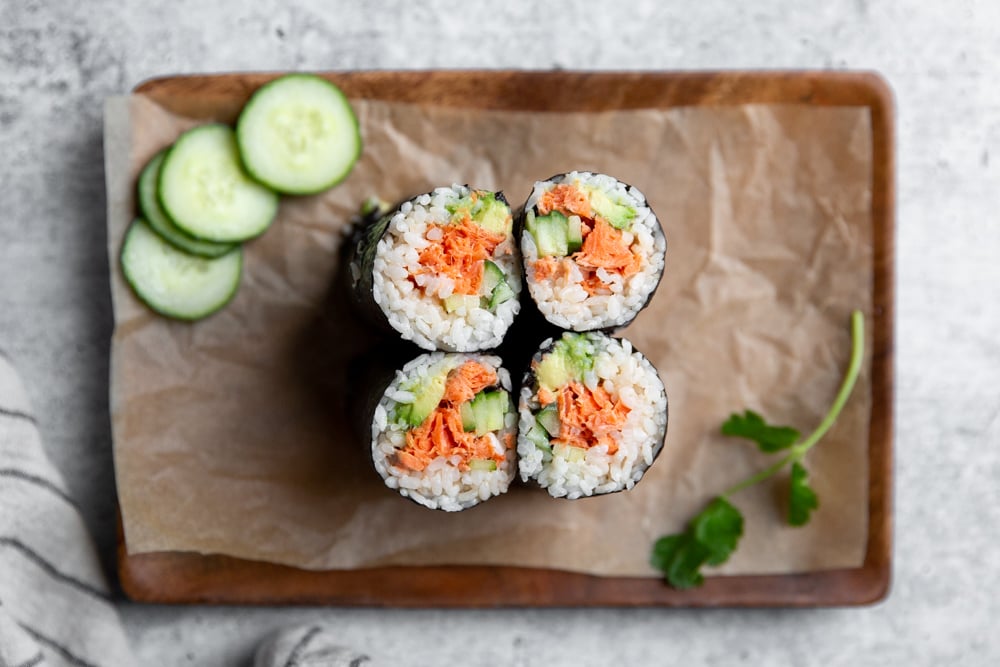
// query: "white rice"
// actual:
[[441, 485], [629, 377], [417, 312], [562, 299]]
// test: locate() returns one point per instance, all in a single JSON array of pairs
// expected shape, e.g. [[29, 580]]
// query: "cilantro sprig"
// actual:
[[713, 535]]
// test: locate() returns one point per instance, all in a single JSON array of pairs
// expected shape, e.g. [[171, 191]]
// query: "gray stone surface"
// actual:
[[58, 60]]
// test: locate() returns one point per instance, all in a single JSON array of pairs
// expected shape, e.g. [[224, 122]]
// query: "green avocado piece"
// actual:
[[428, 395], [485, 209], [618, 215], [571, 357], [493, 214], [554, 371]]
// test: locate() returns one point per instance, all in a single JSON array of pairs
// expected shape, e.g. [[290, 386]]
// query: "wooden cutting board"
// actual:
[[171, 577]]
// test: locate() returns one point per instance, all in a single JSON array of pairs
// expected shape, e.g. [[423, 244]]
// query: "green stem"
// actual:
[[850, 379]]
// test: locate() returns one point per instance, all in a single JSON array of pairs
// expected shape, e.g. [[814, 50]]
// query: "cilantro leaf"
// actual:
[[802, 500], [752, 426], [709, 539], [680, 557], [718, 528]]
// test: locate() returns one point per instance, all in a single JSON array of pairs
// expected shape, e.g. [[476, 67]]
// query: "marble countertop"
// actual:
[[59, 60]]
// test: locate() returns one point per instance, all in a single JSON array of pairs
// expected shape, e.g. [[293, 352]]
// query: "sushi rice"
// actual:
[[447, 482], [415, 301], [631, 384], [562, 296]]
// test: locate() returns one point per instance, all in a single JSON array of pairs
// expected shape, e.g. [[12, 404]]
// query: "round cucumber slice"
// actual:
[[149, 205], [207, 194], [299, 135], [174, 283]]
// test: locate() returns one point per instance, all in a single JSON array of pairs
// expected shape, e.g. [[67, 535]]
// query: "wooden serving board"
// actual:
[[191, 578]]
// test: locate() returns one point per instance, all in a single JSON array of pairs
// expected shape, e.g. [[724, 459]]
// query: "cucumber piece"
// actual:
[[298, 135], [468, 416], [501, 294], [548, 419], [175, 283], [490, 412], [536, 435], [551, 234], [205, 191], [574, 233], [149, 206], [488, 465], [492, 276], [485, 412]]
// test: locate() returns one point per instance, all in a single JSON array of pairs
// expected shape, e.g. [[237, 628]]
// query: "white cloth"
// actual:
[[55, 606]]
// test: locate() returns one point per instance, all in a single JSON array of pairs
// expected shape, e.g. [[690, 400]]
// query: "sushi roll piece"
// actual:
[[593, 251], [443, 433], [441, 270], [592, 416]]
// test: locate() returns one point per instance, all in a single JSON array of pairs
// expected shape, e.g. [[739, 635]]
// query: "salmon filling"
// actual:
[[459, 251], [442, 433], [589, 418]]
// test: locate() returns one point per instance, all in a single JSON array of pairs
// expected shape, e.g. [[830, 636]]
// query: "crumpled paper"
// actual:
[[231, 436]]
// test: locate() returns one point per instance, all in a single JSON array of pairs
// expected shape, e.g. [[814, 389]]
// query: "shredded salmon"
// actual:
[[604, 248], [567, 199], [589, 418], [442, 433], [468, 380], [545, 267], [460, 254], [545, 397]]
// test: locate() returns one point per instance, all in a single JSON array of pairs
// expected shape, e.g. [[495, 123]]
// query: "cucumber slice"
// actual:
[[548, 419], [492, 276], [501, 294], [485, 412], [174, 283], [551, 234], [468, 416], [490, 408], [149, 205], [574, 233], [205, 191], [538, 438], [299, 135], [489, 465]]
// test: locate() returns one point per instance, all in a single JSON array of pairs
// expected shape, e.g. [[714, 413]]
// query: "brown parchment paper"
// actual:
[[227, 441]]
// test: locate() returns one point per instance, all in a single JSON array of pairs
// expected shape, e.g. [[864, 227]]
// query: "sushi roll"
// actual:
[[443, 432], [441, 270], [592, 416], [593, 251]]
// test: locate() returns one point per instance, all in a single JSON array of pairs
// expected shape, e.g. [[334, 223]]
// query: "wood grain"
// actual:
[[191, 578]]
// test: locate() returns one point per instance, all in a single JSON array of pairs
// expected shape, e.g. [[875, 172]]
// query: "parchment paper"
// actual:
[[228, 439]]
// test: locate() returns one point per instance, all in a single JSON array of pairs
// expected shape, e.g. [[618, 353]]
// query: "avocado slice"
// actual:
[[554, 371], [487, 209], [618, 215], [428, 396], [570, 357], [493, 214]]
